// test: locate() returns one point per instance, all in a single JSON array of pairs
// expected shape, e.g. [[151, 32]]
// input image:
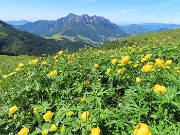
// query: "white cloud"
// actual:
[[129, 10]]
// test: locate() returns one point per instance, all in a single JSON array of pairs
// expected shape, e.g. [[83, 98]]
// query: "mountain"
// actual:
[[13, 41], [84, 27], [148, 27], [21, 22]]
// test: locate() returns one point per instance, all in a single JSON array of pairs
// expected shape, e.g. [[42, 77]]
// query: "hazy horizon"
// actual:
[[117, 11]]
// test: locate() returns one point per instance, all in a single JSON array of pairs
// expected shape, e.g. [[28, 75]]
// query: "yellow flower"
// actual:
[[95, 131], [114, 61], [135, 65], [13, 109], [148, 56], [96, 65], [55, 57], [21, 65], [159, 62], [147, 68], [11, 74], [60, 52], [33, 62], [44, 63], [138, 79], [18, 69], [44, 132], [168, 62], [85, 115], [63, 128], [160, 89], [140, 49], [144, 59], [53, 73], [82, 99], [142, 129], [48, 115], [5, 76], [35, 109], [124, 60], [70, 113], [53, 127], [23, 131], [120, 71], [108, 70]]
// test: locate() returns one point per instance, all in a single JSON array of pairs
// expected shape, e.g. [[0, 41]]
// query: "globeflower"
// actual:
[[44, 63], [48, 115], [33, 62], [159, 62], [96, 65], [135, 65], [142, 129], [35, 109], [63, 128], [53, 73], [44, 131], [23, 131], [168, 62], [85, 115], [124, 60], [70, 113], [138, 79], [120, 71], [21, 65], [148, 56], [160, 89], [147, 68], [108, 70], [53, 127], [60, 52], [13, 109], [82, 99], [114, 61], [95, 131]]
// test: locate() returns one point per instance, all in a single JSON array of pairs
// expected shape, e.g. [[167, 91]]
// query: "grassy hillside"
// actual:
[[165, 36], [21, 42], [125, 90], [9, 62]]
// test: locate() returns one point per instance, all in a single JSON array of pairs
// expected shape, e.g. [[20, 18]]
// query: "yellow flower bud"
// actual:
[[138, 79], [70, 113], [13, 109], [35, 109], [44, 131], [53, 127], [96, 65], [85, 115], [114, 61]]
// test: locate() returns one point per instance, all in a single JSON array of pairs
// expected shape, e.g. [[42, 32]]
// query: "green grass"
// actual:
[[9, 63], [106, 81]]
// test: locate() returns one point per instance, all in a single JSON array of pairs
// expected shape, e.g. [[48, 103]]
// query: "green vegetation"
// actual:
[[124, 90], [9, 62], [165, 36], [19, 42]]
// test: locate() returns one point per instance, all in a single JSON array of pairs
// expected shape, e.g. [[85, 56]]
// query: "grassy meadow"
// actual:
[[116, 89]]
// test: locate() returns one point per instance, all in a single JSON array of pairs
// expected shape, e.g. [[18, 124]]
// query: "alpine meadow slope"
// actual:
[[124, 87]]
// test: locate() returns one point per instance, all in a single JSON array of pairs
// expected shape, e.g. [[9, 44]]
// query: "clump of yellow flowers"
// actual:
[[124, 60], [114, 61], [147, 68], [142, 129], [160, 89]]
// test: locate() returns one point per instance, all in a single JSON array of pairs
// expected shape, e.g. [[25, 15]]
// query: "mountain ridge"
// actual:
[[94, 28]]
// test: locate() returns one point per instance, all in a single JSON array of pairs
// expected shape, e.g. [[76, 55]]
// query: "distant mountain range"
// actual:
[[93, 29], [21, 22], [148, 27], [13, 41]]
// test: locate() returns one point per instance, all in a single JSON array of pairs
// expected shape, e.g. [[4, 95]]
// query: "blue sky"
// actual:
[[117, 11]]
